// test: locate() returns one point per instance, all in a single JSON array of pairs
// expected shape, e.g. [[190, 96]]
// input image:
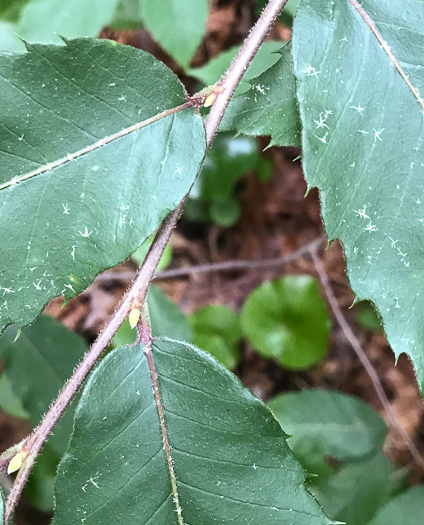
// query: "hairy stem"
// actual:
[[234, 74], [138, 291]]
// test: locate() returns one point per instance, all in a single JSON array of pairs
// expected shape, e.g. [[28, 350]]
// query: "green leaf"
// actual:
[[408, 509], [266, 57], [37, 365], [177, 26], [287, 320], [227, 449], [263, 169], [9, 401], [166, 319], [127, 15], [93, 210], [228, 159], [367, 317], [140, 254], [39, 489], [216, 328], [43, 20], [362, 147], [225, 212], [328, 424], [10, 10], [355, 493], [270, 106], [125, 335]]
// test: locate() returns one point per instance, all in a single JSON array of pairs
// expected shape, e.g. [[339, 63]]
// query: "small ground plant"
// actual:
[[100, 145]]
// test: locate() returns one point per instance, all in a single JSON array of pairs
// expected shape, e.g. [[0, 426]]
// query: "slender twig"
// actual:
[[366, 363], [138, 291], [229, 266], [226, 266]]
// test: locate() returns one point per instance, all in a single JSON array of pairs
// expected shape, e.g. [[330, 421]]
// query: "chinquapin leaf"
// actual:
[[269, 107], [84, 177], [225, 448], [360, 72]]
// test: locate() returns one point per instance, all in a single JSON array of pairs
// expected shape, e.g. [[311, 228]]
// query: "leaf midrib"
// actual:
[[92, 147], [386, 48]]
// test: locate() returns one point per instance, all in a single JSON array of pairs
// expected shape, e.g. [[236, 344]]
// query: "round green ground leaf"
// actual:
[[363, 140], [214, 189], [216, 329], [324, 423], [408, 509], [287, 320], [225, 212], [230, 456], [60, 228], [228, 159]]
